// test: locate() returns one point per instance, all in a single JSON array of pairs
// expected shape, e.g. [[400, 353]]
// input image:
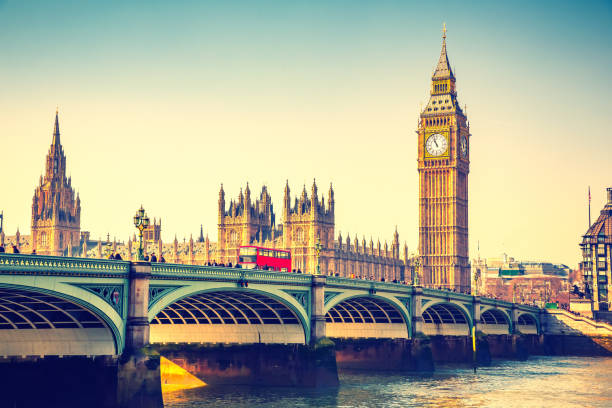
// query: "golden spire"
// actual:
[[443, 69]]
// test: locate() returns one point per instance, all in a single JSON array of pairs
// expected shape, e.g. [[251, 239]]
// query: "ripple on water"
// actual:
[[538, 382]]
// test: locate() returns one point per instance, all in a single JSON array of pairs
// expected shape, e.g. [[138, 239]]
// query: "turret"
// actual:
[[303, 200], [395, 244], [287, 202], [314, 199], [330, 200], [247, 200], [221, 204]]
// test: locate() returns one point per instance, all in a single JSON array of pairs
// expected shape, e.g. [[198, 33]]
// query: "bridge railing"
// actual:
[[181, 271], [495, 302], [447, 294], [527, 308], [53, 265], [366, 284]]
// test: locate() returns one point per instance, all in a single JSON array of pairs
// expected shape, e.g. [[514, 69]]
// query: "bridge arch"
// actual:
[[367, 316], [447, 319], [228, 315], [494, 321], [39, 321], [527, 323]]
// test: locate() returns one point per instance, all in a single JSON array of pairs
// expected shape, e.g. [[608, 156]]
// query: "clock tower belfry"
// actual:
[[443, 164]]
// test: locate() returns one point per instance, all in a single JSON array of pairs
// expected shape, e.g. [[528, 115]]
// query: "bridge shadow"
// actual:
[[58, 382]]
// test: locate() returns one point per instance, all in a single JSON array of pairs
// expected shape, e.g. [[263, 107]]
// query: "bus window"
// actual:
[[247, 258], [248, 251]]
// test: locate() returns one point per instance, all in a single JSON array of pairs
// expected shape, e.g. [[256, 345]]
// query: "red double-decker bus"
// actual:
[[251, 257]]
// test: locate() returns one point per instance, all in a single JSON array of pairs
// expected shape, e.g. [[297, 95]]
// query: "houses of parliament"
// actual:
[[307, 218]]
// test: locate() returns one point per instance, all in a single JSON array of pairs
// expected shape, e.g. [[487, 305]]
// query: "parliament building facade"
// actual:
[[306, 219]]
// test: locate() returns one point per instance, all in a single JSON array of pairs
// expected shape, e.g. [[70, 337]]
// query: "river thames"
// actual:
[[538, 382]]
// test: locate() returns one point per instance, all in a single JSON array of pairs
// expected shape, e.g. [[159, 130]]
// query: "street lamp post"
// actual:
[[141, 221], [318, 248]]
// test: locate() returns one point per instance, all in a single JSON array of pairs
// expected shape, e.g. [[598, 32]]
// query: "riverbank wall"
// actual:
[[257, 364]]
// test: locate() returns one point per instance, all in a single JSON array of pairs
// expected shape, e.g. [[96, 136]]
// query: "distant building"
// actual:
[[596, 266], [56, 209], [521, 281], [152, 233]]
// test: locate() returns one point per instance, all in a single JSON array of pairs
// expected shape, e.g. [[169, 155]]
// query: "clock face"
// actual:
[[463, 147], [436, 144]]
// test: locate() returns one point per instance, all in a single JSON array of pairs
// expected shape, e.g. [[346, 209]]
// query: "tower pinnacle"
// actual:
[[443, 69], [56, 131]]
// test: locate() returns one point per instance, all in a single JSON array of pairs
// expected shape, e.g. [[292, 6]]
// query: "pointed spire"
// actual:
[[56, 131], [201, 238], [443, 69]]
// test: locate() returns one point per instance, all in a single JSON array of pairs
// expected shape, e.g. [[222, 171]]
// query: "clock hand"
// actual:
[[435, 142]]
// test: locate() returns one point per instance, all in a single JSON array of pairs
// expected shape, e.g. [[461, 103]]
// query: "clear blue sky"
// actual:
[[160, 102]]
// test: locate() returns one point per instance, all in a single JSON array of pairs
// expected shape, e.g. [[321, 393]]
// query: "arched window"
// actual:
[[233, 236], [43, 239], [61, 241], [299, 235]]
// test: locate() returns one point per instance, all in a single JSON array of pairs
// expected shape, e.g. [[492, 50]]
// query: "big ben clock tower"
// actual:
[[444, 164]]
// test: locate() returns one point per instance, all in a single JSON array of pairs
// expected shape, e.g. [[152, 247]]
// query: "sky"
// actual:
[[161, 102]]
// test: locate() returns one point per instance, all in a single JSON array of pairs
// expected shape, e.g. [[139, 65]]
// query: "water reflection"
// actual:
[[540, 381]]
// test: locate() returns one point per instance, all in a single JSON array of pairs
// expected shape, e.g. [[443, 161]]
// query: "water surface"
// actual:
[[538, 382]]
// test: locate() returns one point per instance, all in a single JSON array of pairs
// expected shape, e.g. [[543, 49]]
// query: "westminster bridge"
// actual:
[[78, 306], [87, 322]]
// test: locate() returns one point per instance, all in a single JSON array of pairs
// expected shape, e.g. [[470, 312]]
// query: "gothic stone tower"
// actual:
[[56, 214], [244, 223], [443, 163], [304, 224]]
